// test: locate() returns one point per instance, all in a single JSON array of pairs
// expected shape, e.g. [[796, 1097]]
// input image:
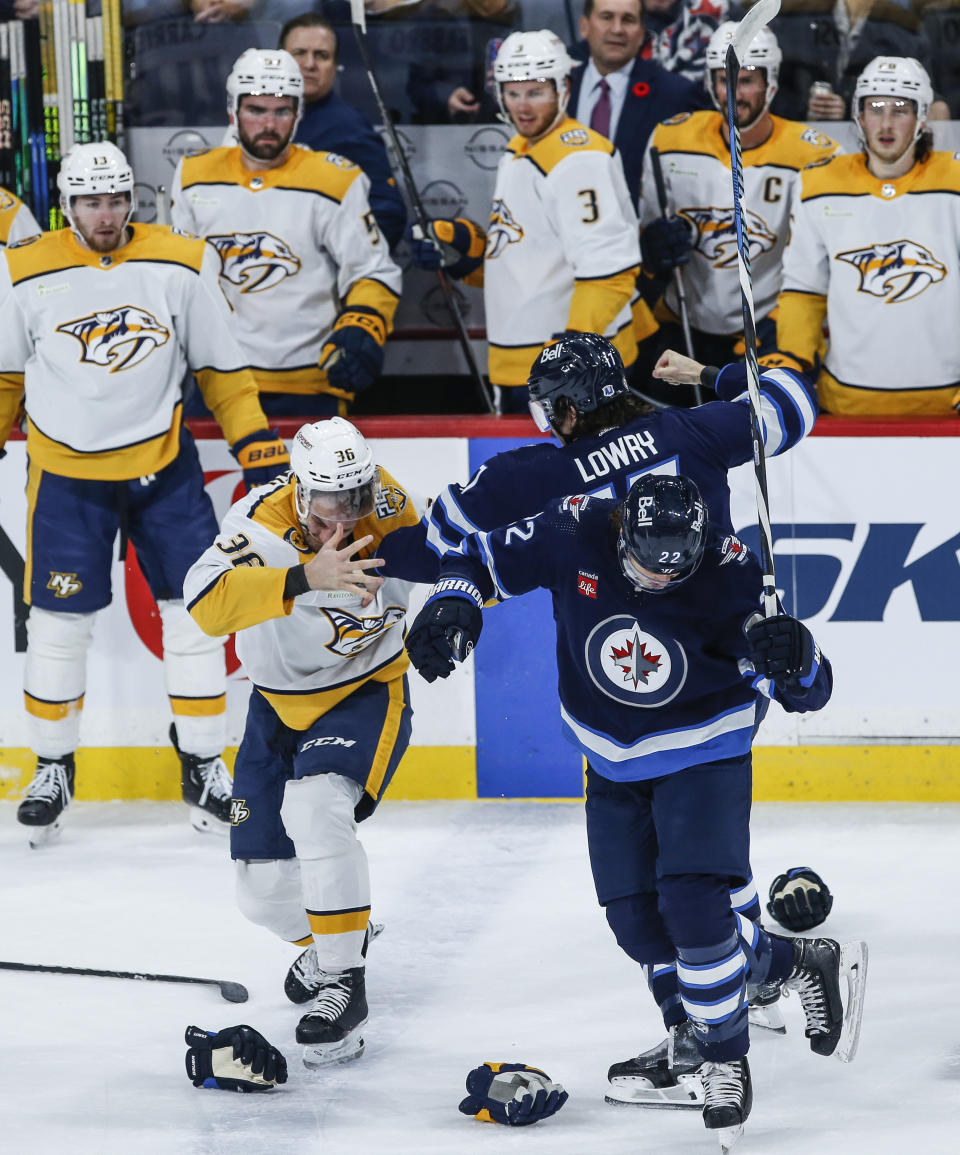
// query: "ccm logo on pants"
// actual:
[[328, 741]]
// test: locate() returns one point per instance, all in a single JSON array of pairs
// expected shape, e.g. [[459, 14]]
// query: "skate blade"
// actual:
[[317, 1055], [204, 822], [853, 969], [728, 1137], [41, 836], [627, 1092], [768, 1018]]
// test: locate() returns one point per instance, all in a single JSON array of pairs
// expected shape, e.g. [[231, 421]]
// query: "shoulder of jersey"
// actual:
[[8, 201], [942, 171], [271, 508], [325, 172], [687, 131], [205, 165], [569, 139], [33, 256], [841, 174], [163, 243], [804, 145]]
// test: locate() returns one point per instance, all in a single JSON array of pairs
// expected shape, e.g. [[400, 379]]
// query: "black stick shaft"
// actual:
[[232, 992]]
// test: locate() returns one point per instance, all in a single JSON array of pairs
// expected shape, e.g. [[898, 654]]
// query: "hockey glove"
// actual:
[[446, 629], [665, 244], [783, 650], [456, 246], [234, 1059], [353, 353], [511, 1093], [799, 899], [261, 456]]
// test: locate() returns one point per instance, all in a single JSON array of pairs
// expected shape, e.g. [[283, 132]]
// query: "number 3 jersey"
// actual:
[[307, 653]]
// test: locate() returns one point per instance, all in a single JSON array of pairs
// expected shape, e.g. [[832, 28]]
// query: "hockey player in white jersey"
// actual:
[[302, 261], [16, 220], [320, 636], [875, 252], [560, 253], [100, 322], [699, 233]]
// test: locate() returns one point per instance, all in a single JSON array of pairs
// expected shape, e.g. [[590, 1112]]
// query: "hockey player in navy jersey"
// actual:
[[665, 670]]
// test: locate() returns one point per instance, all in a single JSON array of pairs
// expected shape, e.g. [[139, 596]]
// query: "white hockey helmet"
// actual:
[[763, 52], [333, 458], [894, 76], [91, 170], [265, 72], [538, 55]]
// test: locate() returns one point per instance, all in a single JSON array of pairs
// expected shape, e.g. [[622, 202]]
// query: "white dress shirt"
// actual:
[[590, 93]]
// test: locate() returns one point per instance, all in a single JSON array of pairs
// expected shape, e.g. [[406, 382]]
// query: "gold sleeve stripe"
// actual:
[[373, 294], [338, 922], [388, 739], [11, 398], [198, 707], [51, 711], [244, 596], [800, 319], [595, 303], [233, 399]]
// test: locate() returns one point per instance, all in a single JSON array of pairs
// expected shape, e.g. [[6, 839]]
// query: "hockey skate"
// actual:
[[821, 968], [728, 1097], [764, 1011], [666, 1076], [207, 788], [330, 1030], [47, 799], [305, 976]]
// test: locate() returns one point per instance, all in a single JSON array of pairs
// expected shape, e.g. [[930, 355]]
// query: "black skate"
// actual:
[[48, 796], [330, 1030], [207, 788], [667, 1075], [819, 965], [764, 1010], [305, 976], [727, 1099]]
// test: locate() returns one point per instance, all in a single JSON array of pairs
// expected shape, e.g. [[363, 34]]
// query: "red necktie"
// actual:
[[600, 117]]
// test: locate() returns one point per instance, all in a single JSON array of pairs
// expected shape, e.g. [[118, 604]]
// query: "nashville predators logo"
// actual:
[[6, 200], [895, 271], [717, 234], [254, 261], [503, 230], [352, 635], [64, 584], [118, 338]]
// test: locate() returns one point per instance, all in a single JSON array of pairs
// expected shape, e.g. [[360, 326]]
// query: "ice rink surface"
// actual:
[[494, 949]]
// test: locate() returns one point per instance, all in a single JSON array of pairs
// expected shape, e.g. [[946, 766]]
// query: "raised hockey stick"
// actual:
[[677, 277], [759, 15], [232, 992], [359, 19]]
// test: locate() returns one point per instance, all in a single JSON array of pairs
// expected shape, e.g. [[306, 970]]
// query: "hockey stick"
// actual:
[[359, 19], [677, 278], [232, 992], [759, 15]]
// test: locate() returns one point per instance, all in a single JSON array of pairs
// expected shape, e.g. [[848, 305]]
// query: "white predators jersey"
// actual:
[[295, 244], [886, 257], [696, 171], [16, 220], [306, 654], [99, 344], [562, 249]]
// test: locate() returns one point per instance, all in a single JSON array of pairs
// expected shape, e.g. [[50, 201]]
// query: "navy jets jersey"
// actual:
[[649, 683], [702, 443]]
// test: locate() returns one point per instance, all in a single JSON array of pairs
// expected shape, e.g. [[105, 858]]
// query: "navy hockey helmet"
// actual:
[[583, 367], [663, 532]]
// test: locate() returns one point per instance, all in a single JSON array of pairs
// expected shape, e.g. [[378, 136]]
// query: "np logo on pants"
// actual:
[[64, 584]]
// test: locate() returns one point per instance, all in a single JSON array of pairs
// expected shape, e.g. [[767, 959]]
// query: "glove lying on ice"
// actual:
[[799, 899], [511, 1093], [234, 1059]]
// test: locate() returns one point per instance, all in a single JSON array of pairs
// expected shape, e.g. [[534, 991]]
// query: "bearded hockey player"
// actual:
[[100, 322], [875, 252], [665, 669], [699, 234], [560, 252], [302, 261], [16, 220], [320, 636]]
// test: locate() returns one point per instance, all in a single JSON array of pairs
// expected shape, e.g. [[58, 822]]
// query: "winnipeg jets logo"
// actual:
[[254, 261], [64, 585], [351, 635], [503, 230], [717, 234], [117, 338], [895, 271], [633, 666]]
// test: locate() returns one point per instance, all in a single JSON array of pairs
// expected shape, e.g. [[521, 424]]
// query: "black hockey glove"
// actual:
[[799, 899], [455, 245], [783, 650], [511, 1093], [261, 456], [352, 355], [446, 629], [665, 244], [234, 1059]]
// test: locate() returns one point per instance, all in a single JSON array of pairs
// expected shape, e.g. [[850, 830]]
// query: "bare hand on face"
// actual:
[[676, 369], [336, 568]]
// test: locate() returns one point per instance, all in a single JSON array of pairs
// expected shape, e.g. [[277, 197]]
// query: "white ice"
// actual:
[[494, 949]]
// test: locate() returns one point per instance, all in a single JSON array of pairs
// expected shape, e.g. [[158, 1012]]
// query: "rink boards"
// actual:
[[866, 538]]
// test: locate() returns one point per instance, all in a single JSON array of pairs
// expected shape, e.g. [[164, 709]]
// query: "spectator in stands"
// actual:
[[678, 32], [329, 124], [875, 250], [941, 26], [236, 11], [617, 92]]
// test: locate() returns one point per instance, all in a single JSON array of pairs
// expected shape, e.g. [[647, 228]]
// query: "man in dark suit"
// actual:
[[620, 91]]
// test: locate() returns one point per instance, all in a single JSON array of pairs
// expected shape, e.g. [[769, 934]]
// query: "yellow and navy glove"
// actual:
[[261, 456], [234, 1059], [511, 1093], [455, 245], [352, 356]]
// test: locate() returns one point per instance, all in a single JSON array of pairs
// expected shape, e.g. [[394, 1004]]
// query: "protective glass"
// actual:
[[635, 575], [540, 416], [331, 509]]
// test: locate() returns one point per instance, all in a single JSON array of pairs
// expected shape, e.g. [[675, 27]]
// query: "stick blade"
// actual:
[[758, 17], [234, 992]]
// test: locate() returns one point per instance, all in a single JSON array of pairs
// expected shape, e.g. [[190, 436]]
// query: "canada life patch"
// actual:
[[587, 584]]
